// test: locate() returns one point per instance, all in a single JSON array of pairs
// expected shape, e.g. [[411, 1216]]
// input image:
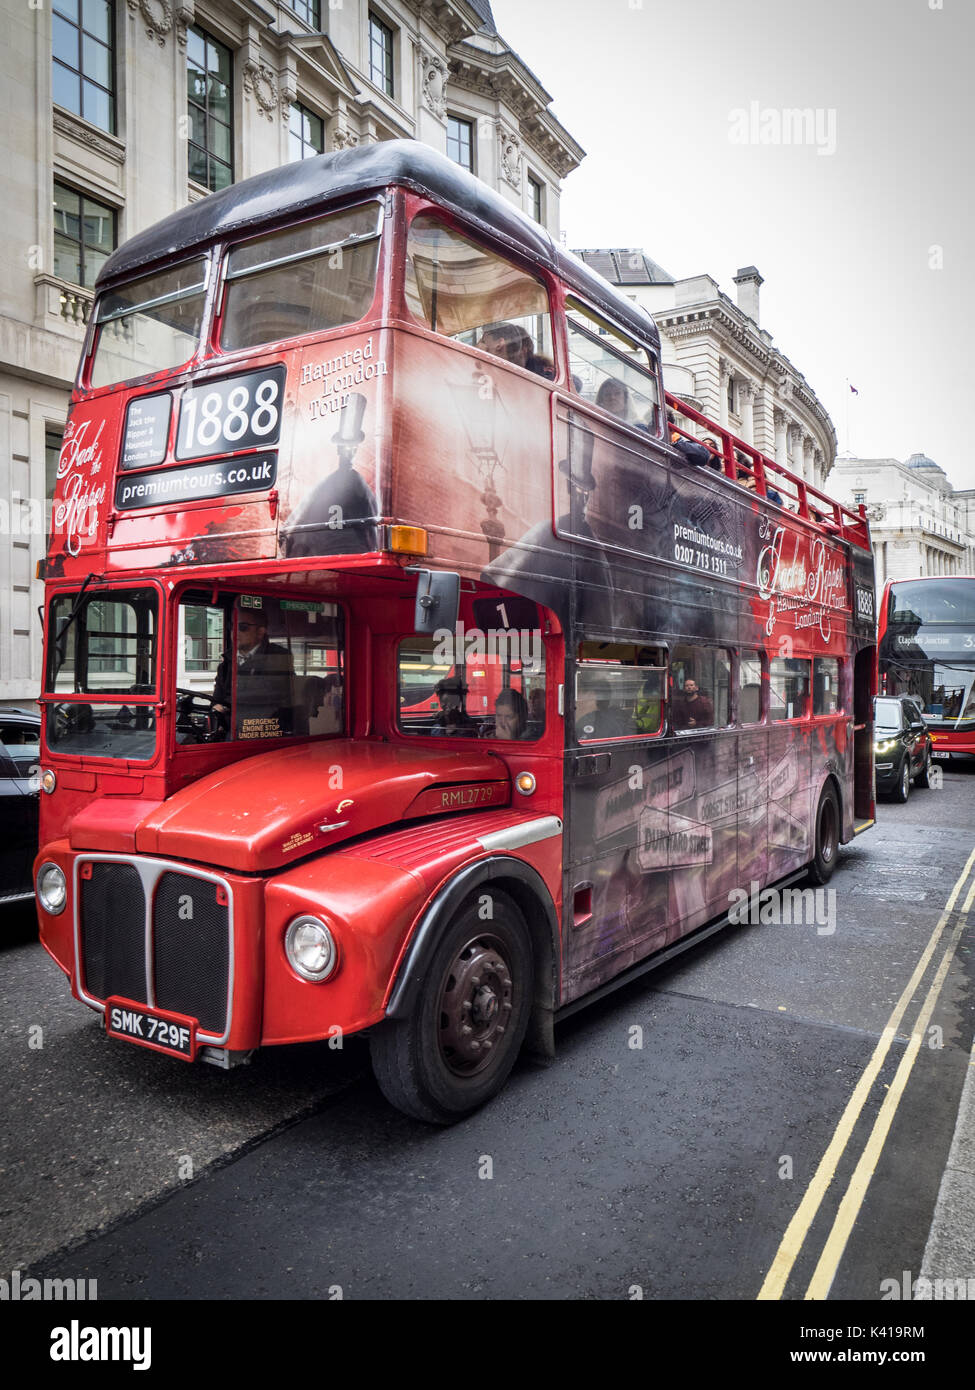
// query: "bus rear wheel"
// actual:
[[827, 836], [456, 1049]]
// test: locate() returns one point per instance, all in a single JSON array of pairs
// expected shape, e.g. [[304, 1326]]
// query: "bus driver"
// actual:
[[265, 675]]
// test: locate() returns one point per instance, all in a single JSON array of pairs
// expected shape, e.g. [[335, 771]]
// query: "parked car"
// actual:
[[20, 733], [901, 745]]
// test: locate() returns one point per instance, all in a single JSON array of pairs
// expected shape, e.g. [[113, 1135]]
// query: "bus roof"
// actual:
[[297, 190]]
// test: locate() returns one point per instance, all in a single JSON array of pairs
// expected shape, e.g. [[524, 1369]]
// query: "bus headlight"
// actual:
[[310, 949], [525, 782], [52, 890], [48, 780]]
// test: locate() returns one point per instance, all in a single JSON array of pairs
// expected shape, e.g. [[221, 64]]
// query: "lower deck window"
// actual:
[[489, 694], [619, 690]]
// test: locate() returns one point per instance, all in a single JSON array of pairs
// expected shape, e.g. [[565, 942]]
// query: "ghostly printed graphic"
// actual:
[[338, 517]]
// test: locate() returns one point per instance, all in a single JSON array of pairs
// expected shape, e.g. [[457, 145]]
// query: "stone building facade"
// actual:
[[121, 111], [919, 525], [718, 358]]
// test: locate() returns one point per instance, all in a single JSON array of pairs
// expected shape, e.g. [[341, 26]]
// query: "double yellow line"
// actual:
[[798, 1228]]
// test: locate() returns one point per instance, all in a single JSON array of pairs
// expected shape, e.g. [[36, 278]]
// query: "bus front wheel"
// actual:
[[827, 835], [457, 1047]]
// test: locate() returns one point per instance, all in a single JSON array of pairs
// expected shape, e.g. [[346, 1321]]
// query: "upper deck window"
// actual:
[[458, 288], [611, 370], [149, 325], [304, 279]]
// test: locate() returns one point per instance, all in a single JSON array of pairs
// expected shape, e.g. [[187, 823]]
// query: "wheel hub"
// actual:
[[475, 1006]]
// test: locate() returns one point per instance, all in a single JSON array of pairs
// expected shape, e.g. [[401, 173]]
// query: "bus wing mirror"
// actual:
[[437, 600]]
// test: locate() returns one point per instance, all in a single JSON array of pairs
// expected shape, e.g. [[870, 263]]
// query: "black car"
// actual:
[[901, 745], [20, 733]]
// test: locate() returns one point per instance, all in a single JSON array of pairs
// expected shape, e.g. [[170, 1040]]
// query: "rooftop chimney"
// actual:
[[748, 281]]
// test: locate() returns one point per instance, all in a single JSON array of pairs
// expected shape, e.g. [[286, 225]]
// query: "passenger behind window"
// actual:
[[514, 344], [692, 709], [595, 715], [453, 720], [510, 716]]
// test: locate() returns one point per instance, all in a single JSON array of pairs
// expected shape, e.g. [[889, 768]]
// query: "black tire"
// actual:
[[903, 789], [434, 1065], [827, 836], [922, 779]]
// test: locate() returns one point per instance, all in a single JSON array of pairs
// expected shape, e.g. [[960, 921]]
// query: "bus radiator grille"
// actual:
[[113, 915], [191, 950]]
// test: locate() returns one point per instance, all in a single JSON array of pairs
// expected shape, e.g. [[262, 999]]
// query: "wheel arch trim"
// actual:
[[527, 887]]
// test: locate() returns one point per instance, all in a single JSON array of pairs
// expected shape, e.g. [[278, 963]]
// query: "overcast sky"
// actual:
[[843, 239]]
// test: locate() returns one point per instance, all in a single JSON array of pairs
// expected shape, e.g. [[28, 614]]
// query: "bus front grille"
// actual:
[[191, 948], [113, 915], [187, 938]]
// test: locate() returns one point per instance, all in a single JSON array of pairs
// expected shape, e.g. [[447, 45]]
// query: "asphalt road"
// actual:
[[670, 1170]]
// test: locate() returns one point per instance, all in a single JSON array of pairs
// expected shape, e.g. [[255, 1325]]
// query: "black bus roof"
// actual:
[[300, 189]]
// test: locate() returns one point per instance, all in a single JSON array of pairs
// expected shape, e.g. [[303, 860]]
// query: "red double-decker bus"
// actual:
[[926, 643], [403, 674]]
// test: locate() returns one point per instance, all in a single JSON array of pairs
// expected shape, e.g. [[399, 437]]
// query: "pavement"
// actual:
[[949, 1255]]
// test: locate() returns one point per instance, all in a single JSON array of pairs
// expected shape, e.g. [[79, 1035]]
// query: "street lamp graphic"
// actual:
[[485, 423]]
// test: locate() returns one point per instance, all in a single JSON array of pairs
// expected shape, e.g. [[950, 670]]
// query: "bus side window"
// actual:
[[455, 287], [701, 679], [611, 370], [826, 685], [750, 688], [789, 679], [619, 690]]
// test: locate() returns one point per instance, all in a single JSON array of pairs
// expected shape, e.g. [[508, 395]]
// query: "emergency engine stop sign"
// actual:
[[237, 412]]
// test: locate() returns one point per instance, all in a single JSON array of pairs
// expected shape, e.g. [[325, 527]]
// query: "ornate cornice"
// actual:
[[260, 83], [445, 19], [509, 155], [159, 17], [433, 83], [98, 140]]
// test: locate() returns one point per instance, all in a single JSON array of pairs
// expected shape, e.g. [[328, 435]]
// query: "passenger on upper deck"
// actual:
[[691, 452], [747, 479], [514, 344]]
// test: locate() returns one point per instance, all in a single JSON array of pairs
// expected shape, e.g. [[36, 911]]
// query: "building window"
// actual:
[[859, 498], [460, 142], [84, 235], [208, 88], [83, 42], [536, 194], [306, 133], [381, 55], [731, 395], [52, 452], [310, 11]]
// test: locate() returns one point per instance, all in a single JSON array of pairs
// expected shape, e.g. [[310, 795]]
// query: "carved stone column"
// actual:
[[781, 437], [795, 447], [808, 467], [747, 392], [724, 371]]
